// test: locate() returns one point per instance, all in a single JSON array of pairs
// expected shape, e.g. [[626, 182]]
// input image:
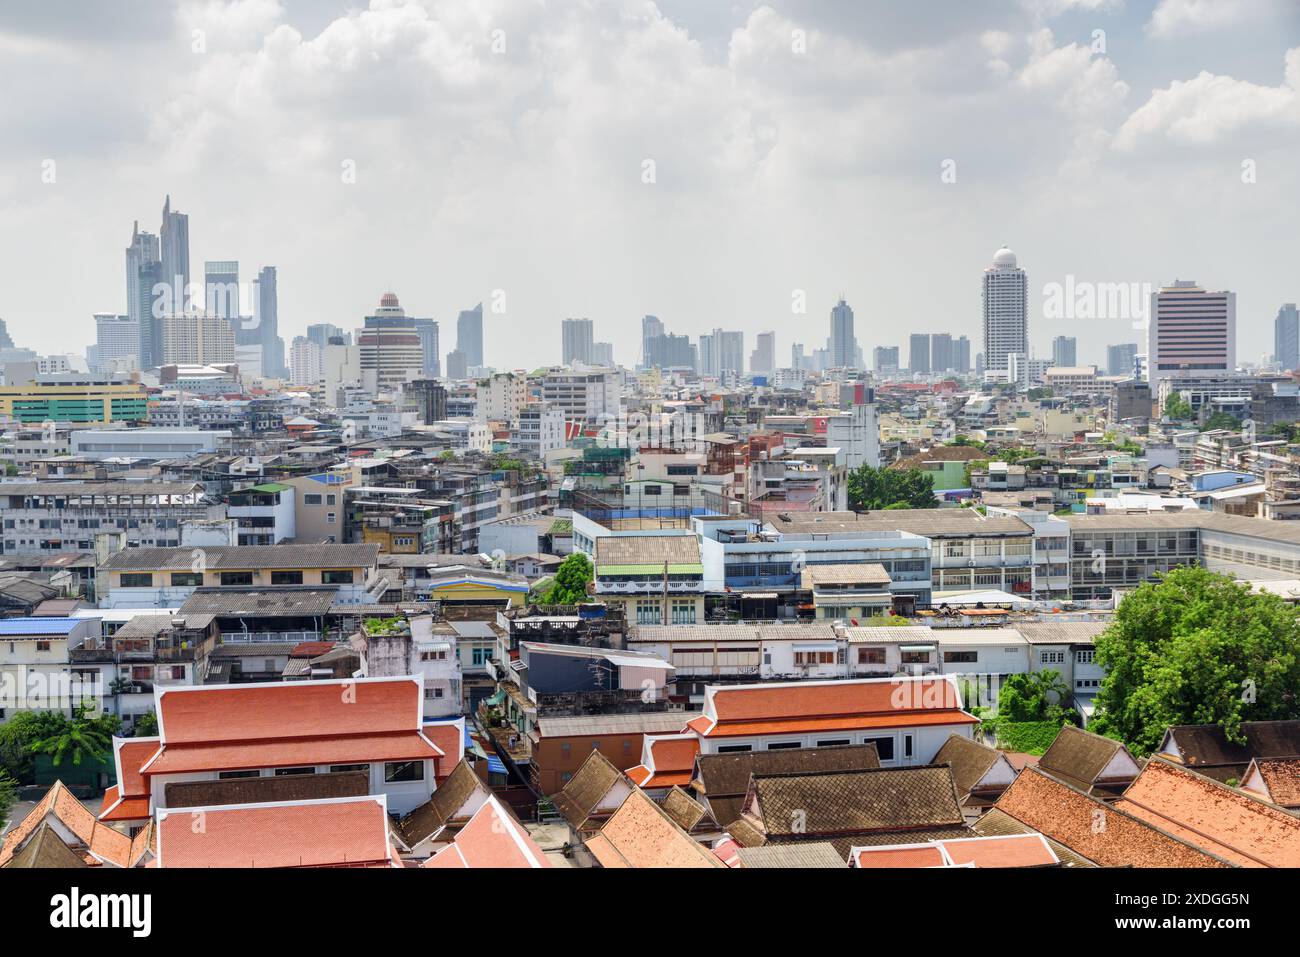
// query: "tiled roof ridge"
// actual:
[[223, 742]]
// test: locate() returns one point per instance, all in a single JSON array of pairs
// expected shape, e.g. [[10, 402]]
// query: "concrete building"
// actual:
[[1120, 359], [576, 340], [842, 345], [1192, 332], [75, 398], [918, 355], [583, 396], [147, 443], [1286, 337], [1006, 311], [196, 340], [1065, 351]]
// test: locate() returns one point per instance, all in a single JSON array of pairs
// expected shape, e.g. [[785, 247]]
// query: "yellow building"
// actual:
[[461, 585]]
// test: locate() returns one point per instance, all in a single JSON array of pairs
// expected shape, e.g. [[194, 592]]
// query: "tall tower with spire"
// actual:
[[174, 242]]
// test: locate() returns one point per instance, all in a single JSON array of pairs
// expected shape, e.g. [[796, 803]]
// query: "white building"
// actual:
[[146, 443], [306, 362], [583, 396], [1006, 310], [541, 430], [857, 434], [499, 397]]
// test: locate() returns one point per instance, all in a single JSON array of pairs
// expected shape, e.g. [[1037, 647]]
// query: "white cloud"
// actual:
[[1208, 108]]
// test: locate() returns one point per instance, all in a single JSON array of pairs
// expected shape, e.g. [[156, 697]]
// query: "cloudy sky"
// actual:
[[505, 145]]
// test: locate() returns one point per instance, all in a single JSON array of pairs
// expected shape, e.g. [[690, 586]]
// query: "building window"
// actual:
[[136, 580], [915, 657], [871, 656], [814, 657], [286, 772], [833, 742], [336, 768], [311, 499], [784, 745], [1051, 657], [329, 517], [648, 612], [395, 771], [42, 646], [961, 657], [734, 748], [286, 578], [336, 576], [186, 579], [229, 775], [884, 747], [236, 578], [1085, 657]]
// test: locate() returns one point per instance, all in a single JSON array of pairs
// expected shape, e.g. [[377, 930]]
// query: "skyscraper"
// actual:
[[651, 328], [117, 341], [762, 361], [1065, 352], [1191, 331], [731, 351], [174, 251], [151, 309], [842, 344], [961, 348], [942, 357], [884, 359], [575, 341], [918, 354], [1286, 337], [469, 336], [221, 296], [1006, 310], [143, 249], [322, 332], [1119, 358], [268, 323]]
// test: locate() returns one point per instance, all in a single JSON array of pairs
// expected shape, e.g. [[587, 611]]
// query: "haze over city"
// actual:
[[700, 162]]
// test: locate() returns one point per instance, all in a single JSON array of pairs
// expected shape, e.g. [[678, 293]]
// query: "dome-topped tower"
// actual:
[[1004, 257]]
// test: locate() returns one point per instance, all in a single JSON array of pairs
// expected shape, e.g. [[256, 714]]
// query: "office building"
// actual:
[[75, 397], [1193, 332], [884, 359], [322, 333], [469, 337], [961, 350], [576, 338], [918, 358], [1006, 310], [174, 253], [942, 356], [1120, 359], [117, 342], [762, 361], [143, 249], [1065, 351], [842, 344], [306, 362], [667, 351], [221, 293], [651, 328], [1286, 337]]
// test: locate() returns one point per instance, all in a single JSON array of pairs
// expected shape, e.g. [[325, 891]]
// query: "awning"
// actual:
[[815, 646], [917, 647]]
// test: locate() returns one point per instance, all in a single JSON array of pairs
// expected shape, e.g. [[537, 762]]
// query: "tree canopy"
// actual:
[[871, 488], [1196, 648], [571, 580], [80, 737], [1178, 408]]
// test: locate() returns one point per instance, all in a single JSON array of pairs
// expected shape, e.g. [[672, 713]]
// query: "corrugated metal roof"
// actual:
[[38, 626]]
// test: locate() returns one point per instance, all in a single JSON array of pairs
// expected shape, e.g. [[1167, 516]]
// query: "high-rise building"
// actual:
[[457, 365], [390, 344], [306, 361], [918, 353], [143, 249], [117, 342], [1065, 352], [651, 328], [762, 361], [267, 321], [1120, 358], [1192, 331], [221, 295], [731, 351], [1006, 310], [194, 339], [708, 356], [1286, 337], [667, 351], [174, 252], [942, 357], [961, 349], [884, 359], [430, 399], [576, 338], [322, 332], [602, 354], [469, 336], [842, 344], [151, 308]]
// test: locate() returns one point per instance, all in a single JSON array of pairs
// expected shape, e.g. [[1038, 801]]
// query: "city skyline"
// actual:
[[1165, 83]]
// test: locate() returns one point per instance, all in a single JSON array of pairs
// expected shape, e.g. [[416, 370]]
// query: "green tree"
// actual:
[[146, 725], [19, 734], [1177, 408], [1222, 420], [82, 737], [8, 795], [571, 580], [1196, 648], [1032, 696], [871, 488]]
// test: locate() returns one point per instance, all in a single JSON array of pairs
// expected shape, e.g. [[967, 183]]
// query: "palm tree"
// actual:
[[81, 737]]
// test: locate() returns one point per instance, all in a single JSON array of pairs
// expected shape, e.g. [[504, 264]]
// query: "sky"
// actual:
[[717, 164]]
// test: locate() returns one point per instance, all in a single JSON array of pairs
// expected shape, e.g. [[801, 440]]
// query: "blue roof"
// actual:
[[496, 765], [39, 626]]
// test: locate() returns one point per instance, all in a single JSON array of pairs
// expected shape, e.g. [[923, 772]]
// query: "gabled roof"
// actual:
[[265, 790], [1275, 779], [1016, 850], [819, 854], [1224, 821], [332, 832], [806, 806], [995, 823], [794, 707], [492, 838], [666, 761], [1102, 834], [45, 849], [686, 812], [641, 834], [1088, 761], [723, 779], [970, 761], [462, 793], [1206, 748], [76, 826], [593, 787]]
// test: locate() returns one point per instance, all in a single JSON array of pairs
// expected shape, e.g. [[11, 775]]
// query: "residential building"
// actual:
[[1006, 311]]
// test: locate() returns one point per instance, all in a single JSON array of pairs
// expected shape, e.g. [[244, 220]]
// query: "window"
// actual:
[[228, 775], [286, 578], [814, 657], [403, 771], [329, 517], [336, 768], [42, 646], [784, 746], [733, 748], [186, 579], [286, 772], [871, 656], [236, 578], [136, 580], [1085, 657], [833, 742], [915, 657], [907, 745], [965, 657], [334, 576], [479, 656], [884, 747], [1051, 657], [311, 499]]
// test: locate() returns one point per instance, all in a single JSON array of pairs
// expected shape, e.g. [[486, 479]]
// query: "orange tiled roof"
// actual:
[[797, 725], [101, 844], [640, 834], [492, 838], [335, 832], [129, 755], [1281, 776], [349, 749], [124, 809], [673, 754], [1218, 818], [294, 709], [928, 856], [447, 737]]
